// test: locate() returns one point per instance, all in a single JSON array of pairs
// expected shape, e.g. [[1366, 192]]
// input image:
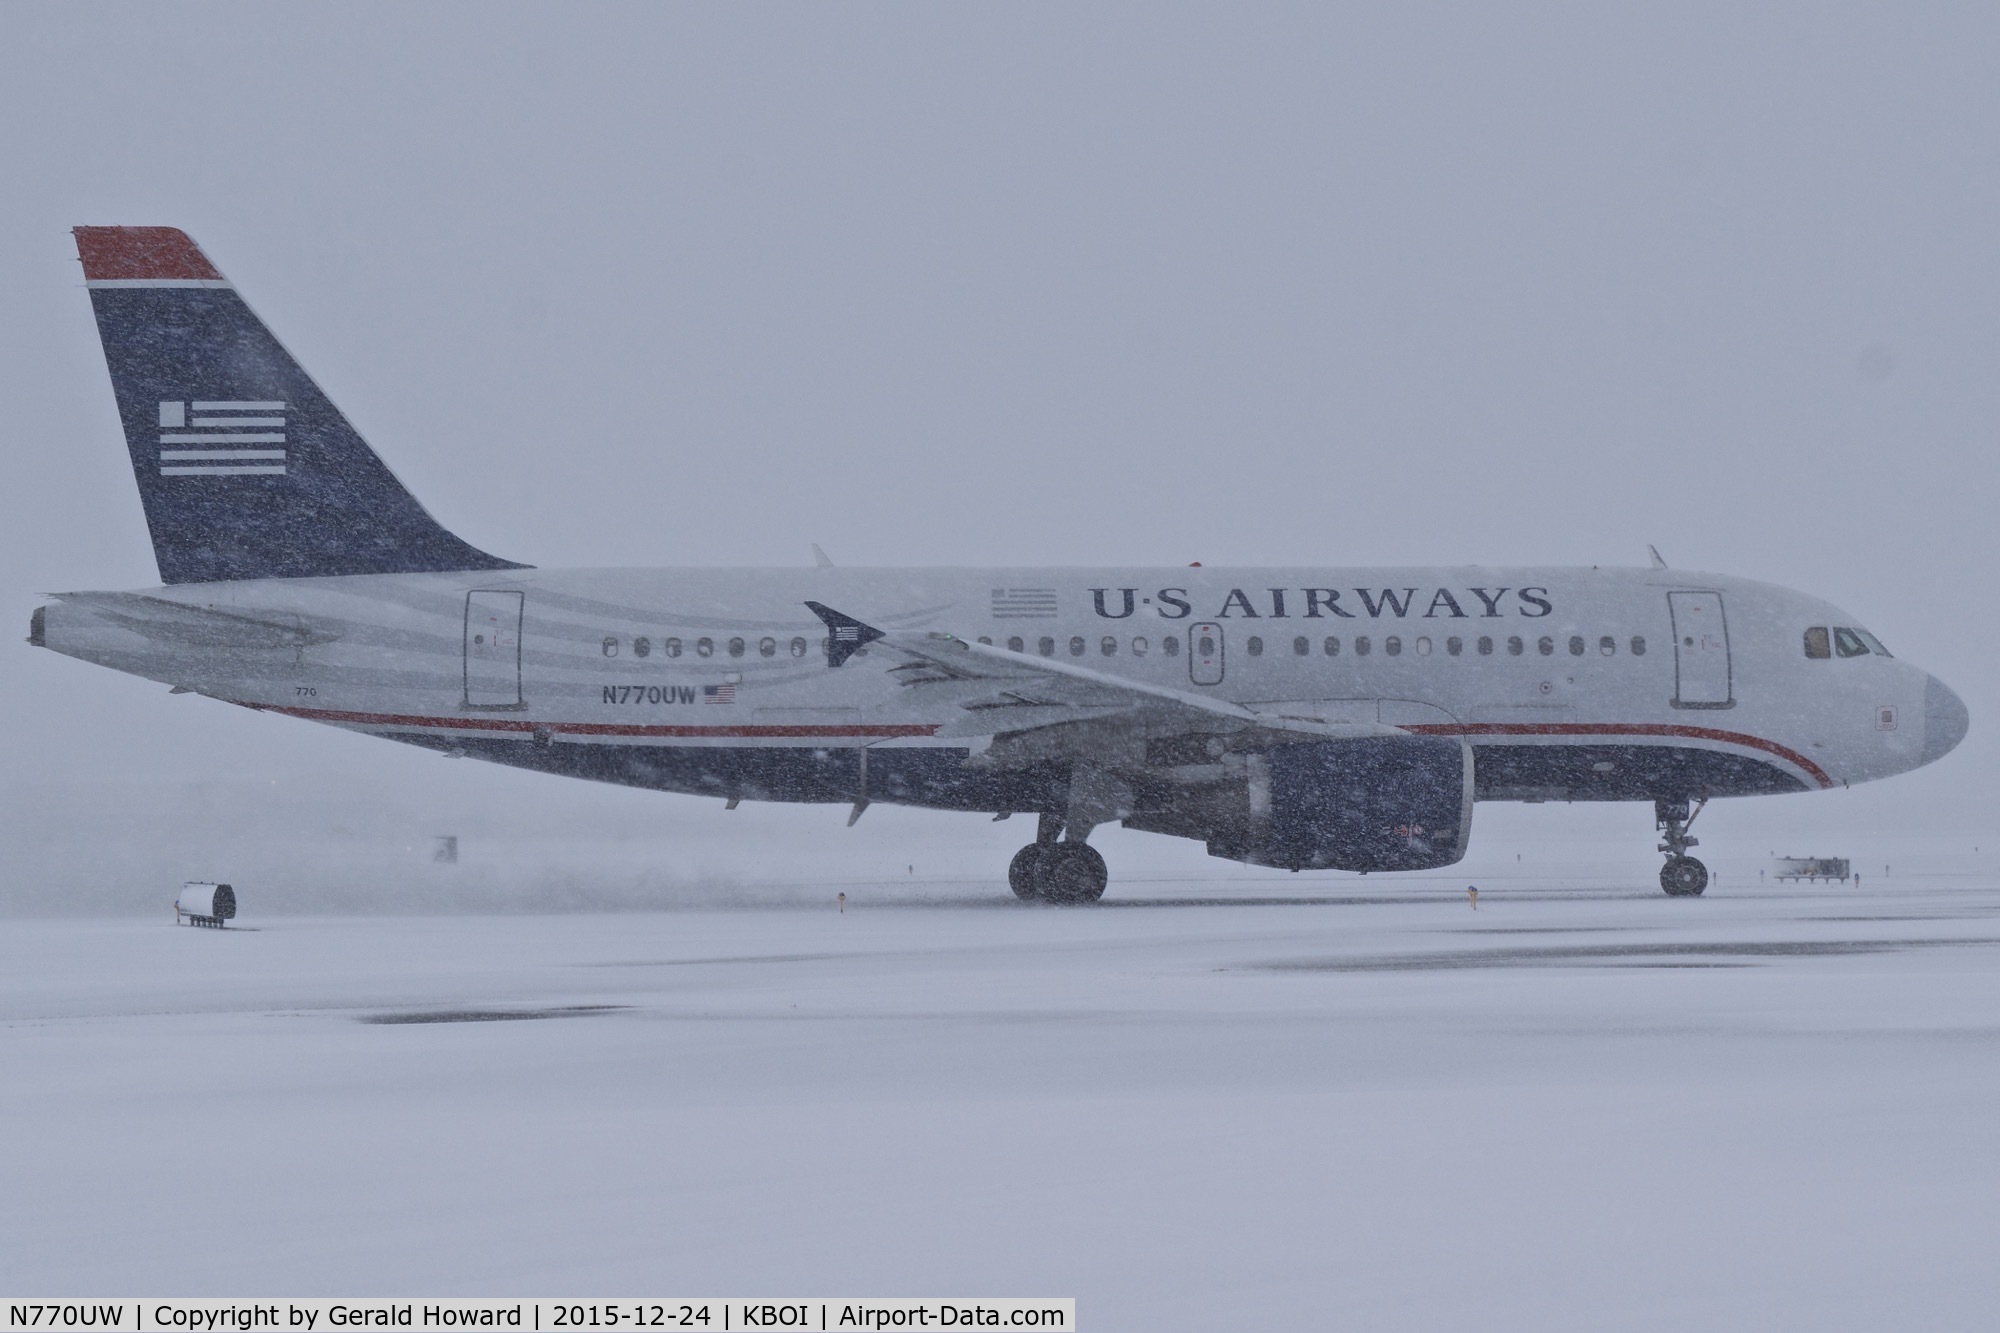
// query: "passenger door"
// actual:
[[493, 649], [1701, 651], [1205, 654]]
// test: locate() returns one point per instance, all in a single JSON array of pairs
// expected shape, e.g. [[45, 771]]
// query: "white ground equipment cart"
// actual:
[[205, 904], [1814, 868]]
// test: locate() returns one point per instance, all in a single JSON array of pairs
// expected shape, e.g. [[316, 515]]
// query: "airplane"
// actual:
[[1296, 718]]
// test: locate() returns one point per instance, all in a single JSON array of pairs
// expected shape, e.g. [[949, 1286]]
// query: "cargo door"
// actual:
[[493, 649], [1205, 654], [1701, 651]]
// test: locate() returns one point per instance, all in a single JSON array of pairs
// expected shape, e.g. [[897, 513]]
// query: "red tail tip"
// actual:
[[110, 253]]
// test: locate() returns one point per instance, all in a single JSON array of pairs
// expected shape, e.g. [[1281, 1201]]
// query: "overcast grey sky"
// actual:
[[960, 284]]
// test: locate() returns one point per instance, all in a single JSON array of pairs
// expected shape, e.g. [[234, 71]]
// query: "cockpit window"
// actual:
[[1847, 643], [1816, 643], [1874, 644]]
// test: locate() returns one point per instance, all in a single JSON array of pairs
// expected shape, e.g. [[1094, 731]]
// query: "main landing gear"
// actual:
[[1682, 876], [1050, 871]]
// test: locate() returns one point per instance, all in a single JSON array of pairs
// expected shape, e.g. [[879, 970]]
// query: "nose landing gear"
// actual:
[[1057, 872], [1682, 876]]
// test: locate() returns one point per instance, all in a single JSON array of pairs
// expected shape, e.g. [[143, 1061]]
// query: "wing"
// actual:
[[1286, 785], [1044, 708]]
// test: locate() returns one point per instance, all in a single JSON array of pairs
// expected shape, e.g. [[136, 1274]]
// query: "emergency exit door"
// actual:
[[493, 649], [1205, 654], [1701, 651]]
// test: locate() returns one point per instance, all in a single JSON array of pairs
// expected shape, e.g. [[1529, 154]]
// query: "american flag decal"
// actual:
[[718, 694], [231, 439], [1024, 603]]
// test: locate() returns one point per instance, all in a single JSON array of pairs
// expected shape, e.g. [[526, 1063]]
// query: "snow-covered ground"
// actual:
[[1275, 1102]]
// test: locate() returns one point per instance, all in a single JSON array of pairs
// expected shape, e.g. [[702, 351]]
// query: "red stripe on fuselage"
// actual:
[[1666, 730], [523, 726]]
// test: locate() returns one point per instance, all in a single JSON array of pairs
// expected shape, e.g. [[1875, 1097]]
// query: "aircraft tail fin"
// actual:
[[245, 469]]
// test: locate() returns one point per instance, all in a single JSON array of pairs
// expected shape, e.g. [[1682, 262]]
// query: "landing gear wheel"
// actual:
[[1683, 877], [1072, 872], [1024, 872]]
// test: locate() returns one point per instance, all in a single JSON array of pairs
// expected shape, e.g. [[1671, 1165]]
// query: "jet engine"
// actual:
[[1378, 803]]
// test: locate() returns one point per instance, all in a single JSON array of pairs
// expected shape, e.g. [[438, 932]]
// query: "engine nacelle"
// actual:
[[1387, 803]]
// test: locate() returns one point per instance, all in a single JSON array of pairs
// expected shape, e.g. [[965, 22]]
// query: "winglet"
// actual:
[[1657, 562], [845, 635]]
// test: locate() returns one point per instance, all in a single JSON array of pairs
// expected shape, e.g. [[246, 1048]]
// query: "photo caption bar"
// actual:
[[708, 1314]]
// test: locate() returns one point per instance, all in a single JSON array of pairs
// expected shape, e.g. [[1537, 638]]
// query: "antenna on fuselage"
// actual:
[[1651, 550]]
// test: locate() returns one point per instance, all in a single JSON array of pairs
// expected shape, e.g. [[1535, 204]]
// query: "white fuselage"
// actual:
[[1569, 683]]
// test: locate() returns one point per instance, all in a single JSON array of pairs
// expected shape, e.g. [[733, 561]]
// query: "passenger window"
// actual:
[[1485, 646], [1817, 645], [1576, 645], [798, 648], [1361, 645], [1546, 646], [1608, 646], [1140, 647], [610, 646], [1014, 644], [1046, 645], [1255, 647], [1454, 645], [1076, 645], [1638, 645], [1514, 645], [1423, 647], [1331, 647], [767, 648], [1207, 646], [1302, 646], [704, 647], [672, 647], [1393, 646], [736, 647], [1847, 643], [1109, 646], [1171, 646], [642, 647], [986, 639]]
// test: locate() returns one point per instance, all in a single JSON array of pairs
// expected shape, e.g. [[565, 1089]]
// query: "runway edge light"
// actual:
[[205, 904]]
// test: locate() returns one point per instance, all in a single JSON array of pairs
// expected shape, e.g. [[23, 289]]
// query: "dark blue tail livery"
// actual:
[[245, 470]]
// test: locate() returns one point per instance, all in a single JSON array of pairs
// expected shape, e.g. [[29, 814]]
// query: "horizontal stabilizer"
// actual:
[[172, 622]]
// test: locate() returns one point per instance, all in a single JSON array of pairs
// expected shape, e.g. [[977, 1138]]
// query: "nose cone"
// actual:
[[1945, 720]]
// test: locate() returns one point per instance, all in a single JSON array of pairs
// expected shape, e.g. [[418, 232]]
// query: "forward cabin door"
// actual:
[[493, 649], [1205, 654], [1701, 651]]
